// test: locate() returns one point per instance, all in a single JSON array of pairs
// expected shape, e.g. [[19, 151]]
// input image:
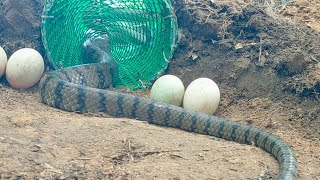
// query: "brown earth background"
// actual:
[[265, 59]]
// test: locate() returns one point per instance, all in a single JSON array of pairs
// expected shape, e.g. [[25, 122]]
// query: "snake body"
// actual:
[[83, 89]]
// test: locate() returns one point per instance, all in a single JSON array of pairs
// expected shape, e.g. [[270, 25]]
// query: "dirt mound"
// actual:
[[241, 38], [20, 24], [252, 53]]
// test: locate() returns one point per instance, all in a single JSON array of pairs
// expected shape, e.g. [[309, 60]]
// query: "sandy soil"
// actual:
[[271, 83], [42, 142]]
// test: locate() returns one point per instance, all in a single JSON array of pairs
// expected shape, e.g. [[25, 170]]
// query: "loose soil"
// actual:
[[266, 61]]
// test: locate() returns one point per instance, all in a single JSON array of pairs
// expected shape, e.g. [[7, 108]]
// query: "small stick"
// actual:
[[313, 58], [260, 50], [130, 151]]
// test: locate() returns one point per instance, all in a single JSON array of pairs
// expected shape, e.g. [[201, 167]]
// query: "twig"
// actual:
[[50, 169], [260, 50], [208, 17], [84, 158], [157, 152], [130, 151], [313, 58]]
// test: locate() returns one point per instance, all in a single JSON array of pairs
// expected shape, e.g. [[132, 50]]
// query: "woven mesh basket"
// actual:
[[143, 35]]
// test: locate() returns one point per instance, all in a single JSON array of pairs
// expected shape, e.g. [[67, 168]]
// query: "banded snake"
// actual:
[[83, 89]]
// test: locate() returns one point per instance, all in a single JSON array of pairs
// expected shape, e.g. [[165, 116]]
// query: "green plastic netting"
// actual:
[[143, 34]]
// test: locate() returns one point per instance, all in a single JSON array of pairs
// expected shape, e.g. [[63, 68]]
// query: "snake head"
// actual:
[[97, 50]]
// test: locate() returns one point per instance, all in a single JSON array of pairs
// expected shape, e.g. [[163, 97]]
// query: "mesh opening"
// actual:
[[143, 35]]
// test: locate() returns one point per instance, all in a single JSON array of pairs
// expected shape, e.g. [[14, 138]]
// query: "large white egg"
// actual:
[[24, 68], [202, 95], [3, 61], [168, 89]]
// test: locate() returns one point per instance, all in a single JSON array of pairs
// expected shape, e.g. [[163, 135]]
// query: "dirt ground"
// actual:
[[266, 61]]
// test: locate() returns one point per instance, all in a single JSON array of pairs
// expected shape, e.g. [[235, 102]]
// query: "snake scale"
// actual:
[[83, 89]]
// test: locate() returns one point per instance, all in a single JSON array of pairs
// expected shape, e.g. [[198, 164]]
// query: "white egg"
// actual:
[[3, 61], [168, 89], [24, 68], [202, 95]]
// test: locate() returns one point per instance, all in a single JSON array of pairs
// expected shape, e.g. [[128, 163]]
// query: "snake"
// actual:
[[88, 88]]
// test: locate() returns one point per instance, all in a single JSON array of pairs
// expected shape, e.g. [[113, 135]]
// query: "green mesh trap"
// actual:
[[143, 34]]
